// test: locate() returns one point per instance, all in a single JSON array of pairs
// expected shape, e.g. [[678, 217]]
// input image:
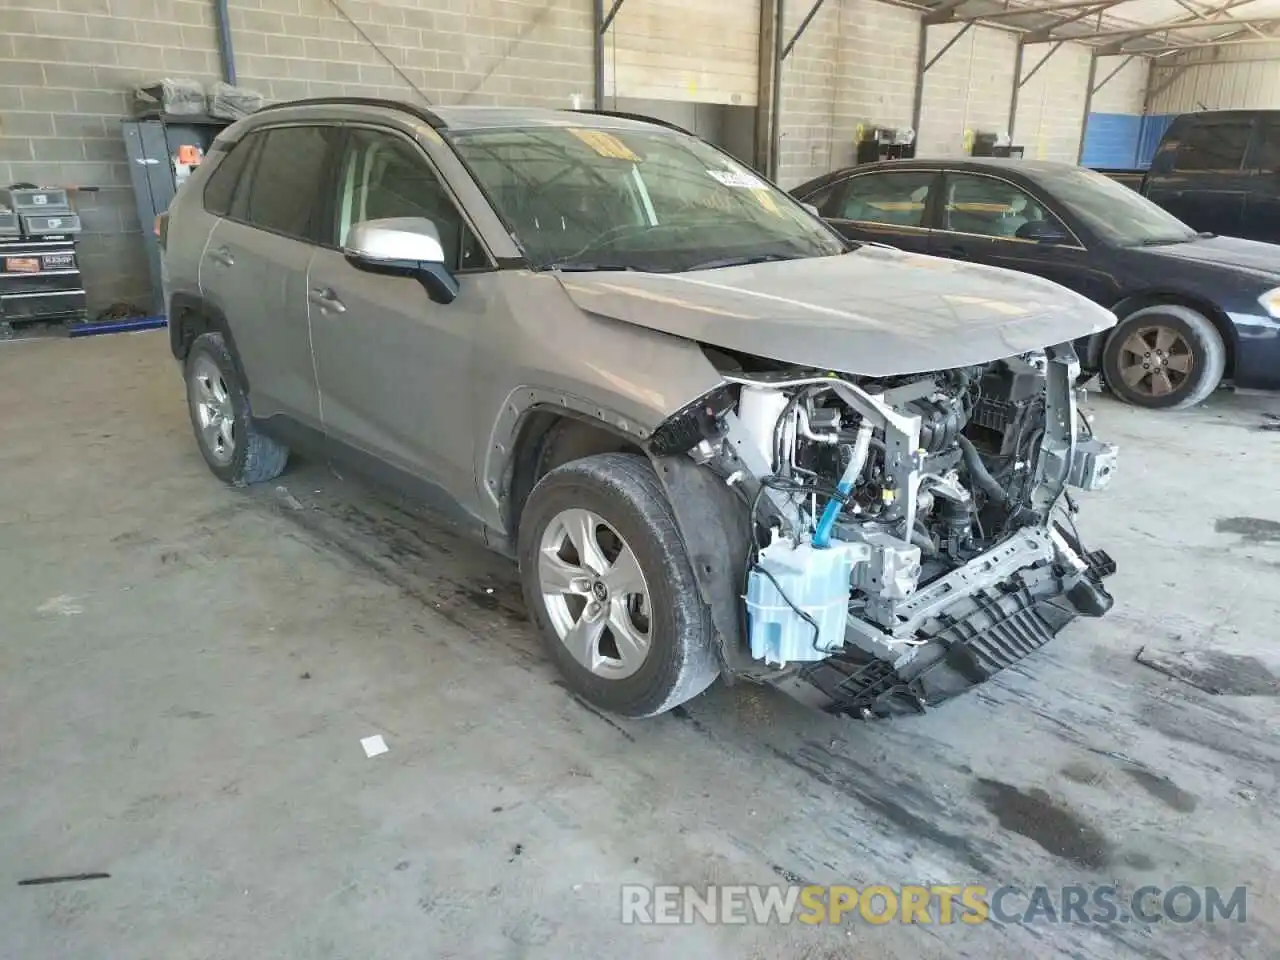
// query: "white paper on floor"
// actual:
[[374, 745]]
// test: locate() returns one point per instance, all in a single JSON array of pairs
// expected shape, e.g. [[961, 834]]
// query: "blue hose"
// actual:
[[831, 512]]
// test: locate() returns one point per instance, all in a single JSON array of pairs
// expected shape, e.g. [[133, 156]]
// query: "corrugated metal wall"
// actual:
[[1215, 79]]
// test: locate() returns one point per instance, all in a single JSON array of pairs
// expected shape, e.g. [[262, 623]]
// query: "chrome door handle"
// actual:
[[326, 299], [224, 256]]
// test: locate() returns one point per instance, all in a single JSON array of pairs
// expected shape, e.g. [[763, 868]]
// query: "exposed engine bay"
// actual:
[[910, 536]]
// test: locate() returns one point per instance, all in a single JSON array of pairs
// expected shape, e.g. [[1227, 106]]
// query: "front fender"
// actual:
[[714, 522]]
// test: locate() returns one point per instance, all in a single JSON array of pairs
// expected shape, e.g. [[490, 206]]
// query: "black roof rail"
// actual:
[[428, 117], [623, 115]]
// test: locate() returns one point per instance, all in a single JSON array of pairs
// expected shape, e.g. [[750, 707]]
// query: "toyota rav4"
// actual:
[[719, 439]]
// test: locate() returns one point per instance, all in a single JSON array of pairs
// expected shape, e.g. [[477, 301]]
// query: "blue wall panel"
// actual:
[[1111, 140], [1153, 128], [1123, 140]]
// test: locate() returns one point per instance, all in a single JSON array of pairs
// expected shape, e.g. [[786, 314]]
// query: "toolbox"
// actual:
[[44, 225], [40, 280], [35, 200]]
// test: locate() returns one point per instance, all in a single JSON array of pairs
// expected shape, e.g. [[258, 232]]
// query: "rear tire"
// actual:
[[237, 453], [617, 502], [1164, 356]]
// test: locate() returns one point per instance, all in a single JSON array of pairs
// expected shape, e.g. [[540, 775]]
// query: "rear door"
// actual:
[[394, 366], [255, 266], [890, 207], [1207, 184], [988, 219], [1262, 206]]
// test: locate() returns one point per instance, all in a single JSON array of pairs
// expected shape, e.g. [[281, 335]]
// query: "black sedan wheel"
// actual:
[[1164, 356]]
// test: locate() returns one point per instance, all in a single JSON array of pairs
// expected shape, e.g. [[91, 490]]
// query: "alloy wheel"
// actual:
[[1155, 361], [214, 411], [595, 594]]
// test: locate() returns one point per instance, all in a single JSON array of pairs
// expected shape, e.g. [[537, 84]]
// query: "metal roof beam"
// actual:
[[1023, 81], [1107, 79], [1015, 12], [1133, 33], [1206, 45], [1045, 33], [943, 12]]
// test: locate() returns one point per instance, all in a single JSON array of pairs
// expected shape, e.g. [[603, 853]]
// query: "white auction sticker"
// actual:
[[736, 178]]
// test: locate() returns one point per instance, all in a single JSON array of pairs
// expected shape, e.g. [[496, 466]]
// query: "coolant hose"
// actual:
[[831, 512], [978, 472]]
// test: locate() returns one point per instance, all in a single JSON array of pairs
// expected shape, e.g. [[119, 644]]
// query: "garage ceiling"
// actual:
[[1149, 27]]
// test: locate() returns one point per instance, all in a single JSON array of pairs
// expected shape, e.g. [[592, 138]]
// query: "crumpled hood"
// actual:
[[873, 312], [1261, 260]]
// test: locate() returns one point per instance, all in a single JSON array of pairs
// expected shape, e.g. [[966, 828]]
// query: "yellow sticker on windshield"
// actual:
[[766, 199], [605, 144]]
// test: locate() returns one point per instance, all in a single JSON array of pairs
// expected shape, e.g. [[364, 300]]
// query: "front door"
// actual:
[[890, 207], [990, 220], [1209, 185], [1262, 207], [394, 366]]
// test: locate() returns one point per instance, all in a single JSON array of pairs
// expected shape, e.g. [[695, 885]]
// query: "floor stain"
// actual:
[[1221, 674], [1035, 815], [1139, 861], [841, 774], [1078, 772], [1163, 789], [1250, 529]]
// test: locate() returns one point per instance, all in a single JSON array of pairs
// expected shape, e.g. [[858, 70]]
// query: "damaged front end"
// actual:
[[905, 538]]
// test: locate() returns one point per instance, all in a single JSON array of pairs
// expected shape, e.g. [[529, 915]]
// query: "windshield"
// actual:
[[590, 199], [1119, 214]]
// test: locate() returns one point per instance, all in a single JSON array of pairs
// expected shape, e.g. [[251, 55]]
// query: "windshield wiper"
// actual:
[[1164, 241], [742, 261], [586, 266]]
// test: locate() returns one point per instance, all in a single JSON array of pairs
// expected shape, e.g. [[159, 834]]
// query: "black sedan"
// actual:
[[1194, 309]]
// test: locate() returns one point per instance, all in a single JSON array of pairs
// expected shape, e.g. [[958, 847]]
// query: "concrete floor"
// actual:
[[186, 672]]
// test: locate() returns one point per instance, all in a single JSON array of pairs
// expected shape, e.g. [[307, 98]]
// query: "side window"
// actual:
[[822, 197], [219, 192], [384, 175], [287, 183], [990, 207], [1267, 154], [1213, 146], [897, 199]]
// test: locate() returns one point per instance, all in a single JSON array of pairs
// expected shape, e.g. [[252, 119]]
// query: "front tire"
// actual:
[[607, 581], [1163, 357], [236, 452]]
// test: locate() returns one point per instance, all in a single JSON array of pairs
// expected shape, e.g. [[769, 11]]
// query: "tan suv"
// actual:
[[718, 438]]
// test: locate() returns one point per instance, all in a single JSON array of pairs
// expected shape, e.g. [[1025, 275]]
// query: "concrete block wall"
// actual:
[[1050, 116], [1125, 92], [693, 50], [810, 77], [967, 90], [854, 65], [877, 86], [67, 66]]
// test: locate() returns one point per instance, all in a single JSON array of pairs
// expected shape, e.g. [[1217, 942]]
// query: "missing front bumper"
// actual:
[[971, 641]]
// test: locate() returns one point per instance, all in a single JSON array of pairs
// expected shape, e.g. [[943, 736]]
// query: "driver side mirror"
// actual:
[[408, 246], [1041, 231]]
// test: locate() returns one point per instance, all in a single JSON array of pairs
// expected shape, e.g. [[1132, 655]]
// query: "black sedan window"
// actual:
[[899, 199], [1113, 211]]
